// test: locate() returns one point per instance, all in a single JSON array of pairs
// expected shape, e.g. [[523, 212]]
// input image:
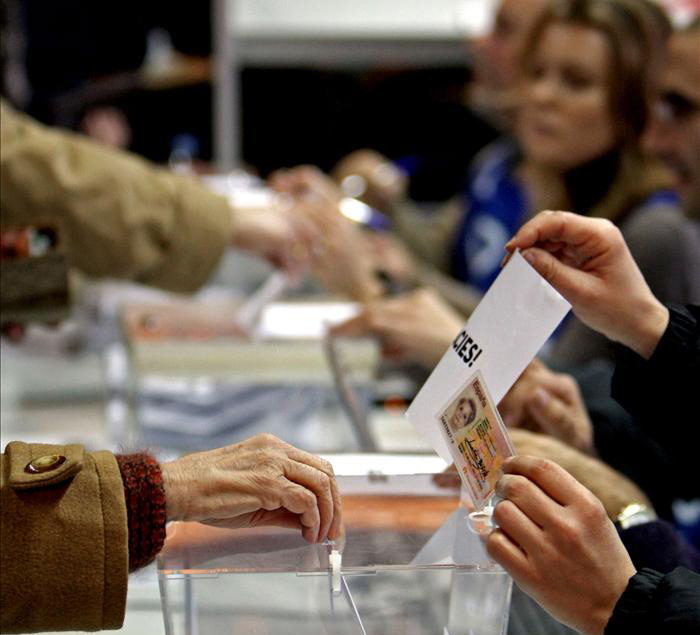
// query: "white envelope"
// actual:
[[504, 333]]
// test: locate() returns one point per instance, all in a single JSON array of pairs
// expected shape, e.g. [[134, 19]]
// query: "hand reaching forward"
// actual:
[[417, 326], [261, 481], [588, 262], [557, 543]]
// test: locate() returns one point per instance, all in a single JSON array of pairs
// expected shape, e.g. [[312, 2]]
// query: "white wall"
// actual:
[[361, 19]]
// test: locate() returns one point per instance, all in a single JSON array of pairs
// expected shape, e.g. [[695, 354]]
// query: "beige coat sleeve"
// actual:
[[64, 540], [119, 216]]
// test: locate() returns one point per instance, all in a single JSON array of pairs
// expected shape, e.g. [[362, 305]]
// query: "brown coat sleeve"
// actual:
[[119, 215], [64, 541]]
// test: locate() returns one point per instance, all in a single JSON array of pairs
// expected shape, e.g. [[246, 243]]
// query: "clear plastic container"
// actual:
[[410, 566]]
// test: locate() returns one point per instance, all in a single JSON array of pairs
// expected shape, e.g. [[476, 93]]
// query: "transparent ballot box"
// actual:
[[410, 566]]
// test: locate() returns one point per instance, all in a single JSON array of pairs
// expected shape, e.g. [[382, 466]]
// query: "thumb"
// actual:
[[567, 280]]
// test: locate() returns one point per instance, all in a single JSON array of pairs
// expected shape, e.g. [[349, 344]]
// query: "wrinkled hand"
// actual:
[[261, 481], [548, 402], [588, 262], [612, 488], [557, 543], [417, 326]]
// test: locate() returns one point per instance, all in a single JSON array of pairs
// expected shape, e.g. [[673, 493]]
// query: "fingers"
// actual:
[[565, 279], [556, 227], [554, 480], [508, 554], [517, 525], [310, 484], [331, 510], [539, 508], [301, 501], [318, 483]]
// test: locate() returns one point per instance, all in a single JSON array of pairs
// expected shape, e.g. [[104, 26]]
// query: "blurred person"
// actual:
[[491, 92], [674, 133], [497, 57], [551, 401], [579, 147], [81, 521]]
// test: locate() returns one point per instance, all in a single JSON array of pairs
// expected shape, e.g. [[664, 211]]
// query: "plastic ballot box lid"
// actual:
[[409, 564]]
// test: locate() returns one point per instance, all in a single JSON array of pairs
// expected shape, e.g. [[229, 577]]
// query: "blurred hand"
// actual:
[[391, 256], [285, 236], [261, 481], [548, 402], [417, 326], [612, 488], [557, 543], [306, 181], [588, 262]]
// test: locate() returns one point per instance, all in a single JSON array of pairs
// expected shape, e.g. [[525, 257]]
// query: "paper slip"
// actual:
[[512, 322]]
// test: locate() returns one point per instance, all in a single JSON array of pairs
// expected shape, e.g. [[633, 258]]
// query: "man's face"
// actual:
[[674, 134]]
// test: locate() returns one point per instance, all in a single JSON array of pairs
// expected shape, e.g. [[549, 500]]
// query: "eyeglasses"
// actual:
[[673, 107]]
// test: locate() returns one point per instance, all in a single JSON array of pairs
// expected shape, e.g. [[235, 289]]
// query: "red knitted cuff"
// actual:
[[145, 507]]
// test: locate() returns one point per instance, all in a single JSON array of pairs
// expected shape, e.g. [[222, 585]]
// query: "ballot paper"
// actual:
[[506, 330]]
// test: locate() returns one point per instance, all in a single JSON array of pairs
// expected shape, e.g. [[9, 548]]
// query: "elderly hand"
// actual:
[[548, 402], [557, 543], [588, 262], [261, 481], [417, 326]]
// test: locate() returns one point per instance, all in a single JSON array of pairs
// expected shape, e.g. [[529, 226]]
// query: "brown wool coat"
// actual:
[[118, 216], [63, 541]]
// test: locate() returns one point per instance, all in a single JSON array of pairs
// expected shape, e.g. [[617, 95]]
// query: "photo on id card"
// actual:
[[476, 438]]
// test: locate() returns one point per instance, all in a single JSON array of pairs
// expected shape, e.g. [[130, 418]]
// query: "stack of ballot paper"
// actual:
[[185, 338]]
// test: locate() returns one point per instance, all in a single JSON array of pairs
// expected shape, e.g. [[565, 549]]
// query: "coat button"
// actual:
[[45, 463]]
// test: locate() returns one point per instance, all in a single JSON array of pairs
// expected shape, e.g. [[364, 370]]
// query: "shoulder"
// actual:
[[659, 225]]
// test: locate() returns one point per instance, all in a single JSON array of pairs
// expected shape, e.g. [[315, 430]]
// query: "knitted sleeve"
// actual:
[[145, 507]]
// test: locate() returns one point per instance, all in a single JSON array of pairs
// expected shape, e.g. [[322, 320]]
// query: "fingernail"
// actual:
[[529, 256]]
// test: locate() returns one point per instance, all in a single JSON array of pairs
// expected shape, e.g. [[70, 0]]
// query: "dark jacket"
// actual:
[[662, 394], [658, 603]]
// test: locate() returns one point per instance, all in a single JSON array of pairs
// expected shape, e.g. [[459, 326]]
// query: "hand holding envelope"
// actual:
[[510, 325]]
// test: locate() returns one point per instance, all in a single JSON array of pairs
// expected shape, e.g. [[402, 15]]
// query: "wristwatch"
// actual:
[[634, 514]]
